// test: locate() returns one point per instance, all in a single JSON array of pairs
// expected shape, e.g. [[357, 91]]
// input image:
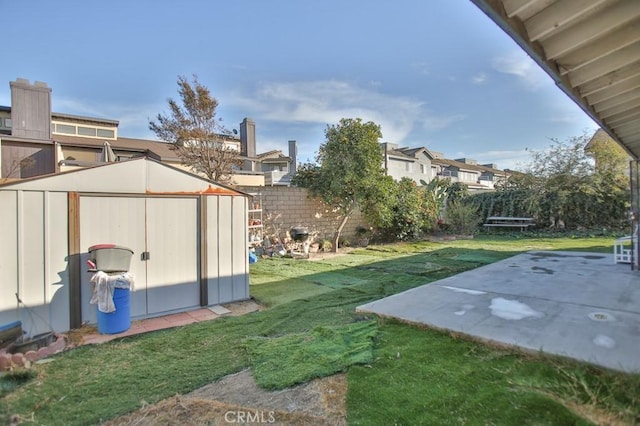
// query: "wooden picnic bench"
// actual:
[[509, 222]]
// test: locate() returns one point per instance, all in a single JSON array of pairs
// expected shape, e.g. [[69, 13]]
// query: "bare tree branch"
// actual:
[[197, 135]]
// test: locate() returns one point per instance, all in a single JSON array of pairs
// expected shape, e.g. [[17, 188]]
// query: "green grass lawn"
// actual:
[[397, 373]]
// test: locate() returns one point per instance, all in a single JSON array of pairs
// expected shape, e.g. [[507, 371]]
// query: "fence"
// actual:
[[285, 207]]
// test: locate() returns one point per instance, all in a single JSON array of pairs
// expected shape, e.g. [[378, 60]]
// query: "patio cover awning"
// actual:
[[591, 48]]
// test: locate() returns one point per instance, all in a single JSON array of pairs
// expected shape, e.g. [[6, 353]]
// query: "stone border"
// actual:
[[10, 361]]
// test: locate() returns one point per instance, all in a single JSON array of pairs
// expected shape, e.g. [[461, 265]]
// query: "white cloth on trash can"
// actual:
[[104, 286]]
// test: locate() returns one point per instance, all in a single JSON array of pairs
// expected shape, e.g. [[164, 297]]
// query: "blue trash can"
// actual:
[[110, 258], [119, 320]]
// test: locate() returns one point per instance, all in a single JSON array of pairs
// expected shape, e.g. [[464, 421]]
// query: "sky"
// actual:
[[437, 74]]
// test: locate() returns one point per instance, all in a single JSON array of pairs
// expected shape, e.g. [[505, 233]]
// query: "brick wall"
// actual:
[[286, 207]]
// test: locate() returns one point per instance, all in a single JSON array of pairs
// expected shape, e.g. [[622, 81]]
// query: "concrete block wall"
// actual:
[[285, 207]]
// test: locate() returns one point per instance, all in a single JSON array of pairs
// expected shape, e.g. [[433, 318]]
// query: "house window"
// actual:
[[423, 169], [408, 167], [65, 128], [103, 133], [87, 131], [7, 123], [81, 154]]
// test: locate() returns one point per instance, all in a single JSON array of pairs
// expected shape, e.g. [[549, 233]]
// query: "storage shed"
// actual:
[[188, 235]]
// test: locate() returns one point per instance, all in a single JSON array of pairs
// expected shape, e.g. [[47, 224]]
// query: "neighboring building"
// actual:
[[35, 141], [476, 176], [274, 166], [414, 163], [422, 164]]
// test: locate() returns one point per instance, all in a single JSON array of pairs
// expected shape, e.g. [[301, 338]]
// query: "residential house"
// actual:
[[414, 163], [421, 164], [477, 177], [35, 141], [274, 166]]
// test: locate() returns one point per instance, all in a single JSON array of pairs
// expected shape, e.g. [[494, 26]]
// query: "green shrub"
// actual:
[[326, 245], [462, 217]]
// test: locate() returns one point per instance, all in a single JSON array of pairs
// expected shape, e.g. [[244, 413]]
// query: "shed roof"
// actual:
[[138, 176]]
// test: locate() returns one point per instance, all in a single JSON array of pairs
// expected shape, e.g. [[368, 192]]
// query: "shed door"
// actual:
[[172, 244], [166, 229], [121, 221]]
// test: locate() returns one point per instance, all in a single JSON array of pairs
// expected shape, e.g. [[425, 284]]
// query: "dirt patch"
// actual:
[[237, 399], [244, 307], [75, 337], [321, 255]]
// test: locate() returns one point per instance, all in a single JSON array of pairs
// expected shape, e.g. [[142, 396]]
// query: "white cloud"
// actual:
[[517, 63], [327, 101], [480, 78], [421, 68], [437, 123], [564, 111]]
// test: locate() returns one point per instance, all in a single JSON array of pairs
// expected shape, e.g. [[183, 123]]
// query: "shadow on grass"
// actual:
[[376, 272]]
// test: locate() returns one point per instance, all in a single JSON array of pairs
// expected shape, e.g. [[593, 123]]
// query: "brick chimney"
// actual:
[[248, 138], [30, 109], [293, 154]]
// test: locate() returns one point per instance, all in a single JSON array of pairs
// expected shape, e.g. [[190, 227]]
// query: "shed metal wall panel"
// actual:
[[213, 250], [34, 260], [31, 244], [239, 237], [8, 256], [57, 260], [225, 258]]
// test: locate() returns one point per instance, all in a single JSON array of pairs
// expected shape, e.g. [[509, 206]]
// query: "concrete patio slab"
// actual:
[[573, 304]]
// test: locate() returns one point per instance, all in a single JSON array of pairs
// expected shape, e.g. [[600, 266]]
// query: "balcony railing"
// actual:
[[277, 178]]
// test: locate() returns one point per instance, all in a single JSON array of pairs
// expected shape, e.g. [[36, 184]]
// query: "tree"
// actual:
[[198, 137], [611, 178], [413, 210], [610, 158], [565, 187], [349, 171]]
